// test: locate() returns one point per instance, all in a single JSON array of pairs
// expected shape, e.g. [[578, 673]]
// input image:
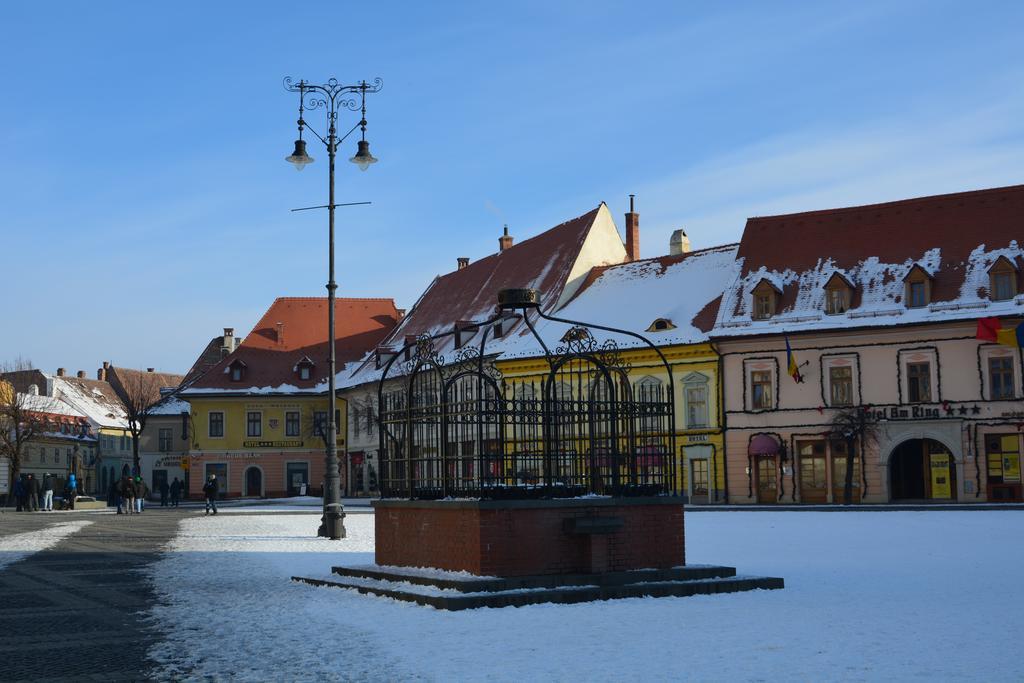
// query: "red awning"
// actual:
[[763, 444]]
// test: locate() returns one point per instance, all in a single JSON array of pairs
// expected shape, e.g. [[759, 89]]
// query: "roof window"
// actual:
[[661, 325]]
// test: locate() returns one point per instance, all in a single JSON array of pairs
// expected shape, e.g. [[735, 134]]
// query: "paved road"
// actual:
[[76, 612]]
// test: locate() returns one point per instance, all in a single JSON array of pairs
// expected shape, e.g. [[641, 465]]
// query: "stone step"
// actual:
[[453, 600], [468, 583]]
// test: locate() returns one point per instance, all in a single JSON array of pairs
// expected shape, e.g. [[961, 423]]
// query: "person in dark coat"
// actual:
[[20, 495], [141, 491], [129, 493], [175, 492], [32, 486], [164, 488], [210, 491]]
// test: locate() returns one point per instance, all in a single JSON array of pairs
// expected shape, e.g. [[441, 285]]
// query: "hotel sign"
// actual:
[[295, 443], [910, 413]]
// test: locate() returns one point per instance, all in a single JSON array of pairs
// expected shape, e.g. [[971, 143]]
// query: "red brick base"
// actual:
[[522, 538]]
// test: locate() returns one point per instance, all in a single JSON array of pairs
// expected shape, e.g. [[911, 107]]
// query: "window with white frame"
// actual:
[[254, 423], [695, 400], [919, 376], [216, 424], [762, 389], [999, 373], [840, 377]]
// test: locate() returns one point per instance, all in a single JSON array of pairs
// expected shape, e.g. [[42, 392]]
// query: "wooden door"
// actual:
[[813, 470], [767, 480]]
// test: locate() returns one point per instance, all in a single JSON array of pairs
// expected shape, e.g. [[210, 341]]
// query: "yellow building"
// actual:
[[671, 300], [258, 416]]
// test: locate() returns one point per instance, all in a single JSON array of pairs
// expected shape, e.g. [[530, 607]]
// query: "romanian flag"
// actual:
[[791, 365], [991, 329]]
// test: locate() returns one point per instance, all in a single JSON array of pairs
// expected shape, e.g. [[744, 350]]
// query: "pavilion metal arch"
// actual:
[[460, 429]]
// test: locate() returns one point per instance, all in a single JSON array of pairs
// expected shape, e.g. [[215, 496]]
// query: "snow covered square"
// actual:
[[869, 596]]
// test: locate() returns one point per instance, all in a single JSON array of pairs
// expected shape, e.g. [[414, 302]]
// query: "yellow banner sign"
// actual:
[[940, 476]]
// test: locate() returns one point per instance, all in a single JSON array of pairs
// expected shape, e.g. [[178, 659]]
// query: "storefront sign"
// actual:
[[697, 438], [273, 444], [909, 413], [940, 476]]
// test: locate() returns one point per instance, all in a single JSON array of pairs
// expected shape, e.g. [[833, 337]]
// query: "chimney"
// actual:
[[679, 243], [80, 374], [463, 262], [150, 369], [280, 333], [60, 372], [505, 241], [632, 233], [401, 313], [227, 344]]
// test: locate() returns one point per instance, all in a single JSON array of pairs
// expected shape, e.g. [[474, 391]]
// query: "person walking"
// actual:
[[163, 493], [47, 492], [129, 493], [210, 491], [33, 493], [121, 494], [175, 492], [141, 491], [72, 491]]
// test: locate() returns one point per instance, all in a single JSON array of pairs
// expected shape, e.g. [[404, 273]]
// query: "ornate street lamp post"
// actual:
[[332, 97]]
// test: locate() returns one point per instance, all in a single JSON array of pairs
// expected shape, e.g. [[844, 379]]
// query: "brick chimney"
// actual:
[[80, 374], [632, 233], [101, 374], [60, 372], [280, 333], [505, 241], [463, 262]]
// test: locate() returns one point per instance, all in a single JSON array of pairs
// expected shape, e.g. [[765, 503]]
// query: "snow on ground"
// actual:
[[19, 546], [869, 596]]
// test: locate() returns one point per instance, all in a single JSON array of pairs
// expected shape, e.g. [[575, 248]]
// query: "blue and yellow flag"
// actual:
[[793, 368]]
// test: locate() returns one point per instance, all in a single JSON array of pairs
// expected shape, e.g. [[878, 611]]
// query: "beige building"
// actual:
[[880, 307]]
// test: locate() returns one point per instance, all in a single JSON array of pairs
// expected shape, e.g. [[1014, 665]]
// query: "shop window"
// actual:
[[216, 424], [919, 382], [292, 424], [839, 462], [1002, 280], [254, 424], [840, 382], [1002, 452], [813, 471], [761, 389], [1000, 378]]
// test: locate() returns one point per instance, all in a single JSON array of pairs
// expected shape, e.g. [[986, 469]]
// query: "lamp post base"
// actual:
[[332, 526]]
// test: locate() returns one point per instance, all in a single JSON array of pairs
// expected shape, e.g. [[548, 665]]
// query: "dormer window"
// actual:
[[838, 294], [383, 356], [1002, 280], [661, 325], [918, 287], [304, 368], [505, 324], [464, 331], [236, 370], [765, 300]]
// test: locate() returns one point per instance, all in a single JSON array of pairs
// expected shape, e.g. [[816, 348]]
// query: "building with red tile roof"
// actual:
[[255, 414], [878, 306]]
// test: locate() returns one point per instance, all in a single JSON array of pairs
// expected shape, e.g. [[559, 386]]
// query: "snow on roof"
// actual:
[[170, 405], [94, 398], [48, 404], [553, 263], [954, 238], [632, 296]]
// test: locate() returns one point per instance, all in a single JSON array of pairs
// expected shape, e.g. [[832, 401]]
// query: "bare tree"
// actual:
[[20, 424], [138, 393], [853, 425]]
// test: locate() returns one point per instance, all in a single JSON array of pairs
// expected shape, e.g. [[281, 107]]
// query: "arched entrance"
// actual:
[[253, 481], [922, 469]]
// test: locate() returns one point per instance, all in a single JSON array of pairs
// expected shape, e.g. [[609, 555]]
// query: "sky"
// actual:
[[145, 201]]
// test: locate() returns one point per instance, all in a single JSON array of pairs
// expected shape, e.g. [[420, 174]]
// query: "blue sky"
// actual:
[[144, 200]]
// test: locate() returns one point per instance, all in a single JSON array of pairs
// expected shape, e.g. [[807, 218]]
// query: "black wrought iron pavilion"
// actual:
[[456, 428]]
